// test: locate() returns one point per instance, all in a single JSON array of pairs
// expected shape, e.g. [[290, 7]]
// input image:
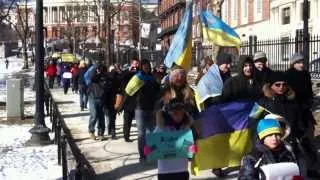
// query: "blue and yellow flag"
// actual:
[[218, 32], [226, 135], [136, 82], [180, 51]]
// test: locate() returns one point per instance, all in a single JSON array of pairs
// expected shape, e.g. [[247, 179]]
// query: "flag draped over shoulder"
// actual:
[[226, 136], [180, 51], [136, 82], [210, 85], [218, 32]]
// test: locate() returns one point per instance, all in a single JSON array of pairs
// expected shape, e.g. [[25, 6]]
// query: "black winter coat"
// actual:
[[300, 81], [80, 77], [261, 153], [261, 77], [240, 86], [130, 101], [285, 106], [147, 95]]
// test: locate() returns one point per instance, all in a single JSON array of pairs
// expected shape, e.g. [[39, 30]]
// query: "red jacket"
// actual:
[[74, 70], [51, 70]]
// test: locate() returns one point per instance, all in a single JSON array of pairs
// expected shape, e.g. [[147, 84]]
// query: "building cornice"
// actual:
[[168, 31], [180, 4]]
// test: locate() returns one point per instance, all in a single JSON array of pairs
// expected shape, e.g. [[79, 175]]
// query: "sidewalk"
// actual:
[[111, 159]]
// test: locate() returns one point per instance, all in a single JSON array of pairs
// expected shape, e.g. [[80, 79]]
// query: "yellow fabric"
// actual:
[[67, 57], [200, 104], [221, 150], [220, 38], [269, 131], [56, 55], [134, 85], [185, 59]]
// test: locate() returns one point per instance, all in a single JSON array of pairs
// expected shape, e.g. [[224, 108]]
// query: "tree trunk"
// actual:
[[25, 55], [107, 33]]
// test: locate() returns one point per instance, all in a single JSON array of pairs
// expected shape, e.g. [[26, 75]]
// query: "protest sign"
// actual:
[[169, 145]]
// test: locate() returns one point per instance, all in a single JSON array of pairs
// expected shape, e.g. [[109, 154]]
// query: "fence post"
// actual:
[[64, 158], [252, 44], [58, 137]]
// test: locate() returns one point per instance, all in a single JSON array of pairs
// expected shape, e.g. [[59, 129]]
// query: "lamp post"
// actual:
[[306, 52], [40, 132], [140, 28]]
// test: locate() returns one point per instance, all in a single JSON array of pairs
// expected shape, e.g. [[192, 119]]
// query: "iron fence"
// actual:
[[67, 148], [280, 50]]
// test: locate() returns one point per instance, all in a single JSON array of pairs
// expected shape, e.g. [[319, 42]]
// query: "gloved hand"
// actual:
[[193, 148], [147, 150]]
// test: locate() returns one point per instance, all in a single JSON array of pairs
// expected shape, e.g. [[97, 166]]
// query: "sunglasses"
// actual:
[[280, 84]]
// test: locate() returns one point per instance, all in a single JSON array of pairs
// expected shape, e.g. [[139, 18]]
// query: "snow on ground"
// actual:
[[18, 161]]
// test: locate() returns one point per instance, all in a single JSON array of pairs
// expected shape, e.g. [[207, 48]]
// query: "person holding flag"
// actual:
[[144, 88]]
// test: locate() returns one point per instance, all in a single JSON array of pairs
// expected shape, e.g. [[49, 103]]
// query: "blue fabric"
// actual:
[[212, 22], [96, 115], [87, 75], [266, 124], [210, 85]]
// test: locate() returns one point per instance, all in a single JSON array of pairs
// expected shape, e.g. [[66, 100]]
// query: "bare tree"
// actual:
[[109, 11], [5, 9], [21, 27]]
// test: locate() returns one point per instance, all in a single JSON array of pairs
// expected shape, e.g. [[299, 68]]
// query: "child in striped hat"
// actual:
[[270, 149]]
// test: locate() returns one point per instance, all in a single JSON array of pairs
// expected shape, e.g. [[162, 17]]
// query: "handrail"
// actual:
[[64, 139]]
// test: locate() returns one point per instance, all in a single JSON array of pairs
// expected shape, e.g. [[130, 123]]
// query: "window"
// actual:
[[285, 48], [235, 9], [302, 10], [286, 15], [259, 6], [245, 8]]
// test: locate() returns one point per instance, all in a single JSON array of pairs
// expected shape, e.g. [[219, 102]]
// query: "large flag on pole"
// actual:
[[180, 51], [216, 31]]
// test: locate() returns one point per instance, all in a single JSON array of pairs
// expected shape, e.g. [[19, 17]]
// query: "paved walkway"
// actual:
[[111, 159]]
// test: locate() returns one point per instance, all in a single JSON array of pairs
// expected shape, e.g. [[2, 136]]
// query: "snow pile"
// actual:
[[20, 162]]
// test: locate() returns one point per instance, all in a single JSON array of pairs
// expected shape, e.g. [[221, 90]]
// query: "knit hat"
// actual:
[[276, 76], [267, 127], [296, 58], [223, 58], [260, 57], [285, 124]]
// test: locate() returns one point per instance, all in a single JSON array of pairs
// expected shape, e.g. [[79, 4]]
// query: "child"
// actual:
[[269, 150], [173, 118]]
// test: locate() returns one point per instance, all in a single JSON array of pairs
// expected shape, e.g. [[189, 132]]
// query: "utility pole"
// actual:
[[40, 132], [140, 28], [25, 33], [306, 52], [107, 20]]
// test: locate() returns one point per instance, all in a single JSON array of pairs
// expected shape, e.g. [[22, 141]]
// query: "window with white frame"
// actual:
[[235, 10], [245, 8], [259, 6], [286, 15]]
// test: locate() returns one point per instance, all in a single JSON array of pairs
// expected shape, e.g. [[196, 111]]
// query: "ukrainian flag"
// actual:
[[225, 134], [180, 51], [136, 82], [218, 32]]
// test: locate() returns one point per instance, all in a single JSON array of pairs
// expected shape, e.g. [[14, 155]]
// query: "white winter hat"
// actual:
[[260, 56], [296, 57]]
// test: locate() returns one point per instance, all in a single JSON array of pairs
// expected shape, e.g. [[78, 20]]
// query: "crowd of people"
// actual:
[[166, 102]]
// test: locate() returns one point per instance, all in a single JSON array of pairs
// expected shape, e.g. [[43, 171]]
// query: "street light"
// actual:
[[40, 132]]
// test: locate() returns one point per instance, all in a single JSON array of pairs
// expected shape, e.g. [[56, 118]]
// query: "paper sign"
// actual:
[[169, 145], [280, 171]]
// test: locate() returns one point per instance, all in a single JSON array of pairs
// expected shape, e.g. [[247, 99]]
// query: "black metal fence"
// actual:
[[280, 50], [67, 149]]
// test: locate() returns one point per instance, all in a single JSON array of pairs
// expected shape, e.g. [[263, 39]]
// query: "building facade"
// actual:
[[83, 18], [269, 18]]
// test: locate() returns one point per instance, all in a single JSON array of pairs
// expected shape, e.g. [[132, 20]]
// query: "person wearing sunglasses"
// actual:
[[279, 98]]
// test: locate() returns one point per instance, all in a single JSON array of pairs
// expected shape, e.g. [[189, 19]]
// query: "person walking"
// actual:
[[75, 71], [66, 78], [129, 102], [96, 94], [82, 85], [145, 92], [51, 73], [7, 63]]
